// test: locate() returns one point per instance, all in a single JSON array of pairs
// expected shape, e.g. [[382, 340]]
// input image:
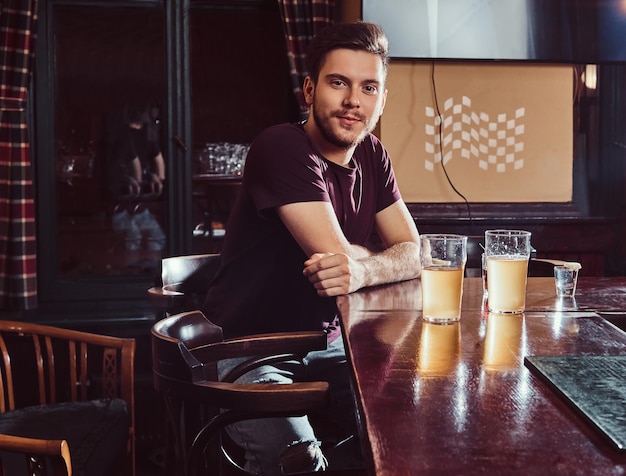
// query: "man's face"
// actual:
[[349, 97]]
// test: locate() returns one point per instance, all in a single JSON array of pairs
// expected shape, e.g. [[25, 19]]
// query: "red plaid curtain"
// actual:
[[18, 258], [302, 19]]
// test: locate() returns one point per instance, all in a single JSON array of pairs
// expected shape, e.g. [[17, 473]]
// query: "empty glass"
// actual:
[[565, 279]]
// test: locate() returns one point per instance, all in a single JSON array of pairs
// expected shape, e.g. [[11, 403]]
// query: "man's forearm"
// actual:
[[334, 274], [359, 252], [397, 263]]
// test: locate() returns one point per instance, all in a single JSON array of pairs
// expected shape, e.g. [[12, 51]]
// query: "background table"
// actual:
[[457, 400]]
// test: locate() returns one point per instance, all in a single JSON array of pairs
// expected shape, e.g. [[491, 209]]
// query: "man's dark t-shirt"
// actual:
[[260, 286]]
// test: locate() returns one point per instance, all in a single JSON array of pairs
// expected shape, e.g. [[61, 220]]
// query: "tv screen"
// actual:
[[557, 31]]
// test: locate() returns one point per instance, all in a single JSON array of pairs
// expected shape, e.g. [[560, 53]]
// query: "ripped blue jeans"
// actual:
[[291, 444]]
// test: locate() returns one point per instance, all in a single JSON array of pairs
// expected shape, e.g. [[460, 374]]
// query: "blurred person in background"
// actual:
[[135, 176]]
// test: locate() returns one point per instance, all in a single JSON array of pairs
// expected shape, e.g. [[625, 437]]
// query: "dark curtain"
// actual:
[[302, 19], [18, 258]]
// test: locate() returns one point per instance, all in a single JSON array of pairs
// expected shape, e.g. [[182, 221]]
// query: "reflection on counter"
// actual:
[[440, 348], [504, 341]]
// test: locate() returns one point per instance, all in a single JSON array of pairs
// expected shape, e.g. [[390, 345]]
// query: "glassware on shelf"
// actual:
[[222, 158]]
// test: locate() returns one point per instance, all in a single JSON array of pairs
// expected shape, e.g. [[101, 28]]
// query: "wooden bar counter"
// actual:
[[458, 399]]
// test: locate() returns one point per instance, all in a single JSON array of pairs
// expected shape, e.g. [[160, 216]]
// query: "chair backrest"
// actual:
[[191, 334], [35, 456], [184, 282], [189, 273], [190, 329], [48, 365]]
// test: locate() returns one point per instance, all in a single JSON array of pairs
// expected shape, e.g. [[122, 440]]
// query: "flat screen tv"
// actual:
[[556, 31]]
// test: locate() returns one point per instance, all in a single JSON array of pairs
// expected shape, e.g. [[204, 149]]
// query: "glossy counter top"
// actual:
[[457, 399]]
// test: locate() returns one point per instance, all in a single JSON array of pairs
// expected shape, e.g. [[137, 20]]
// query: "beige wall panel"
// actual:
[[507, 131]]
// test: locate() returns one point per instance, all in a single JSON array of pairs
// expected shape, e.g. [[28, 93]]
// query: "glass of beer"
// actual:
[[443, 259], [507, 253]]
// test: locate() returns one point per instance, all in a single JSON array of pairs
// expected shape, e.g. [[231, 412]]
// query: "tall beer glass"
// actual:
[[507, 253], [443, 259]]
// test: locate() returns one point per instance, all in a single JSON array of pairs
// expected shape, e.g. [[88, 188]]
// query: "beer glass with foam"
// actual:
[[443, 259], [507, 253]]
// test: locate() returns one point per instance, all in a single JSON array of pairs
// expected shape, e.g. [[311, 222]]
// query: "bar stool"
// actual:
[[185, 350]]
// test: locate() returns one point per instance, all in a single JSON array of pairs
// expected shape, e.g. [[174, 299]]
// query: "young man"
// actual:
[[313, 195]]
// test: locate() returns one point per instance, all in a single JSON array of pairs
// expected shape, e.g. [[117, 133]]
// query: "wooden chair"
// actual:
[[35, 456], [185, 350], [59, 384], [184, 282]]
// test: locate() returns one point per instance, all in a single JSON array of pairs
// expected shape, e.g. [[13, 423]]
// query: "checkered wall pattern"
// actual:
[[494, 142]]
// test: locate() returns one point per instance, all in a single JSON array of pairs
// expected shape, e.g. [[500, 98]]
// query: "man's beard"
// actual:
[[323, 124]]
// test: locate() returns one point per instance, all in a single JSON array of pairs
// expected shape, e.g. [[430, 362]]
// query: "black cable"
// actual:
[[443, 166]]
